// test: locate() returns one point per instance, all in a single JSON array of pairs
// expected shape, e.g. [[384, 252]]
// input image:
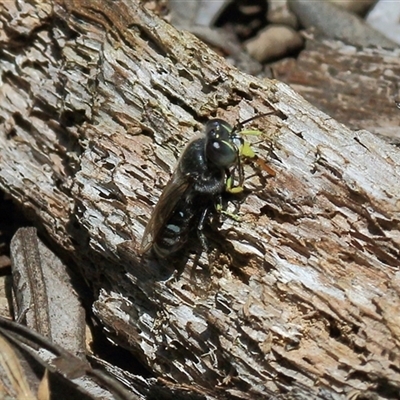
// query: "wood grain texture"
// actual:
[[356, 86], [97, 100]]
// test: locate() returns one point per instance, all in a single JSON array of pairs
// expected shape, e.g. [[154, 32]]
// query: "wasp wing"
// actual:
[[169, 198]]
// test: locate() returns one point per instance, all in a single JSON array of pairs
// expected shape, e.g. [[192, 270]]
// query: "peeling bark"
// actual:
[[97, 100]]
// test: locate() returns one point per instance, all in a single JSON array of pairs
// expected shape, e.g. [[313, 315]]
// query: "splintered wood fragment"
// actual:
[[29, 361], [12, 375], [45, 298], [297, 299], [29, 285]]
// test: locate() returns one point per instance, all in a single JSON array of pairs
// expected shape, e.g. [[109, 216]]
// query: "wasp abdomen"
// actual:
[[175, 232]]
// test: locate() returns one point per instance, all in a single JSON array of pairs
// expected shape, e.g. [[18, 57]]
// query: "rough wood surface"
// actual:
[[357, 86], [97, 99]]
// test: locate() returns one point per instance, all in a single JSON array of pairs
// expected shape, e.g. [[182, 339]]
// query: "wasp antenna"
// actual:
[[238, 127]]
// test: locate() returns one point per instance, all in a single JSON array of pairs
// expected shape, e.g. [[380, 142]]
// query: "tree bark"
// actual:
[[300, 299]]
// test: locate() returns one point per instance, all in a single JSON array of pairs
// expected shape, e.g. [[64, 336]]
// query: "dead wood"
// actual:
[[357, 86], [97, 100]]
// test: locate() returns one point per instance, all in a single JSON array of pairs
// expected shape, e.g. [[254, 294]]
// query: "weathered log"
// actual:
[[356, 86], [302, 296]]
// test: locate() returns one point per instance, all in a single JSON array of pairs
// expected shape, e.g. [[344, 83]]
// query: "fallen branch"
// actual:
[[97, 101]]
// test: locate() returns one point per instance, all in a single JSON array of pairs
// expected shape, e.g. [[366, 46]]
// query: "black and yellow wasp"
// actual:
[[209, 166]]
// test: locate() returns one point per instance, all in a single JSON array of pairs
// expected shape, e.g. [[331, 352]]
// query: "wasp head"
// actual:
[[221, 148]]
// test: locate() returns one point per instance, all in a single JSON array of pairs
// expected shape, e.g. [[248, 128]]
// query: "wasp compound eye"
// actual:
[[219, 148], [221, 153]]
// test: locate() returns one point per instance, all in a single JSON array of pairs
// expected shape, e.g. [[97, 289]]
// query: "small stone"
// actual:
[[273, 42], [279, 14], [355, 6], [337, 23], [385, 17]]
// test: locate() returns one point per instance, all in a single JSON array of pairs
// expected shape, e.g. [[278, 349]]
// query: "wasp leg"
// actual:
[[220, 209], [229, 183], [232, 189], [231, 215], [200, 233]]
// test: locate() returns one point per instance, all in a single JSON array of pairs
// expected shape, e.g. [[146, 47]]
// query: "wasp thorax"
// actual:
[[220, 150]]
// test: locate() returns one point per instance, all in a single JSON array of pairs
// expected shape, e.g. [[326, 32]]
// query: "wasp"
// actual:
[[209, 166]]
